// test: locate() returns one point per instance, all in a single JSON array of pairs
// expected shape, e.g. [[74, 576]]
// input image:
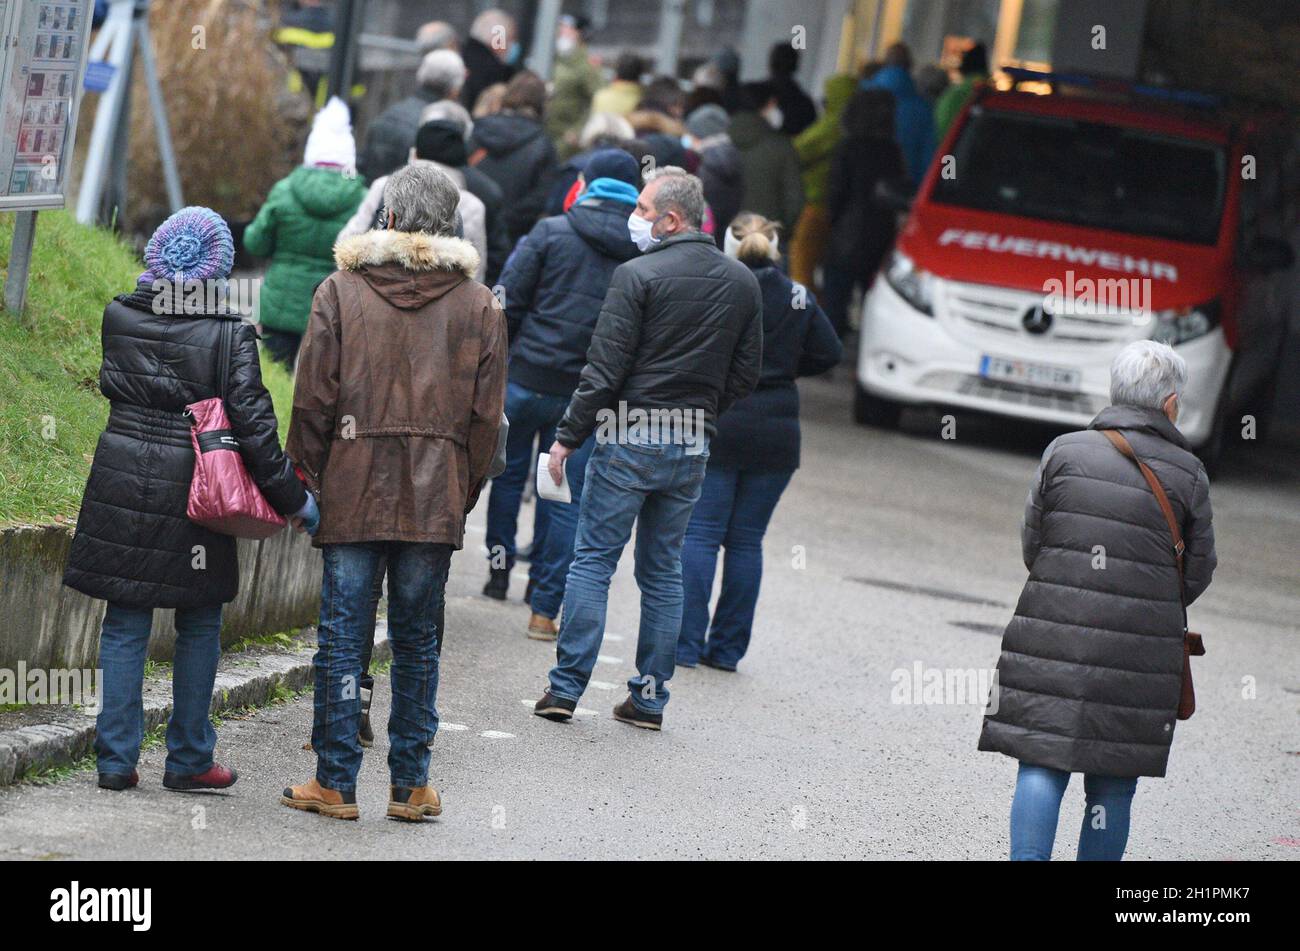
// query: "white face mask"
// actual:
[[564, 45], [775, 117], [642, 231]]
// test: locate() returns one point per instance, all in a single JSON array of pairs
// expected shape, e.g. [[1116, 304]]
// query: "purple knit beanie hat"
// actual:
[[192, 245]]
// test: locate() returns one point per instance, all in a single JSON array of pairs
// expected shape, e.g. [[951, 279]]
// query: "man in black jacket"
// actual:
[[679, 339], [392, 134]]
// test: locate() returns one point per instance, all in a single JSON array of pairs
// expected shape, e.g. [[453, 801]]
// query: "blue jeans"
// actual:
[[550, 564], [417, 579], [123, 647], [654, 486], [734, 509], [531, 415], [1037, 805]]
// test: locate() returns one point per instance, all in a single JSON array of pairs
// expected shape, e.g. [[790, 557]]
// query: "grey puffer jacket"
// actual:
[[1091, 665]]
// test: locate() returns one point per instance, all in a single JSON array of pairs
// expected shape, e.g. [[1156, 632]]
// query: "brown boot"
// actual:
[[412, 805], [313, 797], [542, 628]]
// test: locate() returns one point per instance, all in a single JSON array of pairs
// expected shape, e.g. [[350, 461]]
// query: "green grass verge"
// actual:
[[51, 411]]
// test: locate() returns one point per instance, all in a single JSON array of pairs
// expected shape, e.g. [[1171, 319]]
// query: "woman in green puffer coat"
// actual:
[[815, 145], [298, 225]]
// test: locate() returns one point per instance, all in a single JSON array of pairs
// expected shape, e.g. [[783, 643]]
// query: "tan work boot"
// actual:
[[313, 797], [542, 628], [412, 805]]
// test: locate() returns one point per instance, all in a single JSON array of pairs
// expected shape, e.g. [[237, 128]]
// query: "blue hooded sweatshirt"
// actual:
[[913, 118]]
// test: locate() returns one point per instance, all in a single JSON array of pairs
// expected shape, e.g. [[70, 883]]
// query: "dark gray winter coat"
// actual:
[[1091, 665]]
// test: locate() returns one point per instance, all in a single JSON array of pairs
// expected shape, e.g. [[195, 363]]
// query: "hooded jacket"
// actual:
[[134, 544], [681, 329], [400, 389], [296, 229], [816, 143], [773, 187], [555, 284], [913, 118], [515, 152], [1091, 667], [391, 135]]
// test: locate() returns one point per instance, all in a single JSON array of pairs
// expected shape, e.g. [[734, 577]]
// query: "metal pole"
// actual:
[[343, 59], [671, 18], [162, 128], [542, 59], [115, 35], [20, 262]]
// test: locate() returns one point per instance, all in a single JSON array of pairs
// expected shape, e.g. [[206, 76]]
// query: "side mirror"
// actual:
[[894, 194], [1269, 254]]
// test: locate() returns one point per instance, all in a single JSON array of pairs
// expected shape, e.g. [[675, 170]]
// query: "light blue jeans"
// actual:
[[654, 486], [1037, 806]]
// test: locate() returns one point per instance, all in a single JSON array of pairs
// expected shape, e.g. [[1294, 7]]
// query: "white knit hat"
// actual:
[[331, 141]]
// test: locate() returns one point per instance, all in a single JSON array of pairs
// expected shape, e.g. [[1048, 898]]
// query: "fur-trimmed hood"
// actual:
[[412, 250], [408, 269]]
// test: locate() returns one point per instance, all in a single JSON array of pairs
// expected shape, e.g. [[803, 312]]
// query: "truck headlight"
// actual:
[[915, 285], [1182, 324]]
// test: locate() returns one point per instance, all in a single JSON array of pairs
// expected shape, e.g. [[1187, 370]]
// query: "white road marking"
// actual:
[[584, 712], [607, 659], [454, 727], [613, 637], [497, 735], [602, 685], [520, 576]]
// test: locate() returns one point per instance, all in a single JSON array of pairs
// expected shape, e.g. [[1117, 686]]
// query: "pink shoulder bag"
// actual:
[[223, 496]]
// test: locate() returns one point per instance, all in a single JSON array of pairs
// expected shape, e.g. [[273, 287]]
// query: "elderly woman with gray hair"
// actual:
[[399, 397], [1091, 673]]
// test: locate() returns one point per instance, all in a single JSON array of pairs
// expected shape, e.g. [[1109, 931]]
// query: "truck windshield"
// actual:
[[1086, 173]]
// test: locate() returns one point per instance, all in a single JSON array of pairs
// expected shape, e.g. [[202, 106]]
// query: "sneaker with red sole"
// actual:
[[215, 777]]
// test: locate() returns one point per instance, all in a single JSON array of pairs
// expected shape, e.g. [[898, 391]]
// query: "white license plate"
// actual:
[[1042, 375]]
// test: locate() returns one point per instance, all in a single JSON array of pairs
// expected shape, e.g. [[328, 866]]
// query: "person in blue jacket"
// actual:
[[555, 284], [913, 114], [752, 457]]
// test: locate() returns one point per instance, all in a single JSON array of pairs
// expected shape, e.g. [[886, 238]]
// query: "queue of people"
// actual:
[[642, 328]]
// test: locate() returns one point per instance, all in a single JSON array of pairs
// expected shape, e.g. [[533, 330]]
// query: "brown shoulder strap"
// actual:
[[1122, 444], [477, 156]]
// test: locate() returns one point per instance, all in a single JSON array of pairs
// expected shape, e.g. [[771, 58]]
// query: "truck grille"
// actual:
[[1001, 312]]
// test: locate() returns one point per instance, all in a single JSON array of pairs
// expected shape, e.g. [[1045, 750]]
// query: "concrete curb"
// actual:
[[39, 738]]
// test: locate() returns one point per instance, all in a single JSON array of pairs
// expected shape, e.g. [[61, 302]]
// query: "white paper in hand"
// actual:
[[546, 487]]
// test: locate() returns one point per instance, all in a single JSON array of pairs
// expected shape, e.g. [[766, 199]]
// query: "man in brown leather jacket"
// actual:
[[399, 395]]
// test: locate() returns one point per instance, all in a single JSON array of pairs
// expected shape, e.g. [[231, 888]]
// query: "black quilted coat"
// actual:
[[1091, 664], [681, 328], [134, 545]]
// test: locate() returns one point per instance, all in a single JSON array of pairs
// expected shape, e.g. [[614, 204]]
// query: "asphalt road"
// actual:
[[888, 551]]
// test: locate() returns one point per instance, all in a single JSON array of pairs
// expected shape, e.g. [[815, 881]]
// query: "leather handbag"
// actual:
[[223, 496], [1193, 644]]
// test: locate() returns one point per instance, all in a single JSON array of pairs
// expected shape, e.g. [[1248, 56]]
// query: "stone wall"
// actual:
[[47, 625]]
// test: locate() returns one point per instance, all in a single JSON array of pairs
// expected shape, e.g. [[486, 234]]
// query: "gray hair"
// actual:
[[607, 126], [1146, 373], [422, 198], [436, 35], [681, 192], [442, 72], [448, 110]]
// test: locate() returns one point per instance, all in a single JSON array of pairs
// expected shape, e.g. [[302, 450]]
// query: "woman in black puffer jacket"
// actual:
[[134, 546], [1092, 663], [752, 457]]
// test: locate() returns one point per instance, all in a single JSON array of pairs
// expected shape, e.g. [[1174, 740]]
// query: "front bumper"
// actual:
[[915, 359]]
